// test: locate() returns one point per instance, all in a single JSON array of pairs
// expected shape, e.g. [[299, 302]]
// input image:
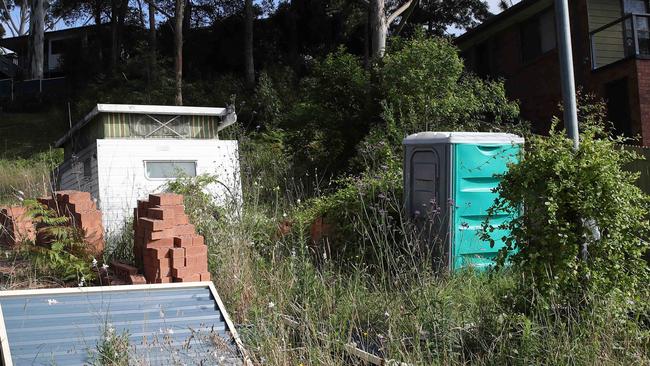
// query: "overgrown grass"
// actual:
[[24, 134], [295, 305], [27, 178]]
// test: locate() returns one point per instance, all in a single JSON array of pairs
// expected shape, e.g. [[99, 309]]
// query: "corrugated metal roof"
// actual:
[[165, 324]]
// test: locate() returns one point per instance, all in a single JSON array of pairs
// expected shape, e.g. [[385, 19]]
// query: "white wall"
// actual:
[[122, 179]]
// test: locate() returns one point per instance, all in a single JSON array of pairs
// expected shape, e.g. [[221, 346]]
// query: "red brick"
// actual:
[[123, 268], [197, 261], [137, 279], [189, 278], [80, 206], [72, 196], [178, 257], [198, 240], [143, 208], [159, 213], [164, 199], [153, 225], [157, 235], [205, 276], [199, 250], [184, 230], [183, 272], [157, 253], [160, 243], [181, 219], [163, 280], [183, 241]]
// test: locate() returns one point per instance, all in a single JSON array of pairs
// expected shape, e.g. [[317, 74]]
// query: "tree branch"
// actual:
[[12, 25], [158, 9], [406, 16], [398, 12]]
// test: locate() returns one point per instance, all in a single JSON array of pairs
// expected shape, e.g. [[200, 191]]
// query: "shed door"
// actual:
[[424, 185]]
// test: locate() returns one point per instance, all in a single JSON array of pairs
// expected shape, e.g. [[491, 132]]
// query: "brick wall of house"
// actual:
[[536, 84], [643, 94], [624, 69]]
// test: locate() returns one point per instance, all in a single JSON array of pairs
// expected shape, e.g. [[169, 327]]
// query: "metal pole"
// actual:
[[566, 70]]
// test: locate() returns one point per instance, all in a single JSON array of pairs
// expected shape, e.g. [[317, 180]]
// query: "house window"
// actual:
[[57, 47], [169, 169], [537, 35], [483, 61]]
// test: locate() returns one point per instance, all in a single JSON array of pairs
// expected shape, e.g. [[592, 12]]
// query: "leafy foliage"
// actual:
[[425, 88], [65, 255], [112, 349], [584, 223]]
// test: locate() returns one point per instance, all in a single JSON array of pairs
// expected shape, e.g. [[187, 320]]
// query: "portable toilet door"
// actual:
[[467, 166]]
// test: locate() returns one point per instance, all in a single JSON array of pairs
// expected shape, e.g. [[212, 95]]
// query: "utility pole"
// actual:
[[566, 70]]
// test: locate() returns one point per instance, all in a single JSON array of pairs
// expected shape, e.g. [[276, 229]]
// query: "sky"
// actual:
[[493, 5]]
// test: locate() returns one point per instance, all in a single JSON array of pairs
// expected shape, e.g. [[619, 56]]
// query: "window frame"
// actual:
[[146, 171], [537, 19]]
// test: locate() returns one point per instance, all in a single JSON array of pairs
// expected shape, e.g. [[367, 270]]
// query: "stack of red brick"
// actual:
[[15, 226], [123, 274], [166, 244], [80, 208]]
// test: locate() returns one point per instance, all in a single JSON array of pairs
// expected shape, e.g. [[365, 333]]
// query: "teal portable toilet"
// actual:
[[449, 182]]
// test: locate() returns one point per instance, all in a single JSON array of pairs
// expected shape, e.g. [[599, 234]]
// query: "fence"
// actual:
[[52, 88]]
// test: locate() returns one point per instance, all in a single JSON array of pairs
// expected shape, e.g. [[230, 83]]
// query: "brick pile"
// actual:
[[123, 274], [15, 226], [166, 244], [82, 211]]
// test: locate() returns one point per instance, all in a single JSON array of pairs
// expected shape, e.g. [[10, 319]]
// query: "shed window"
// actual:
[[537, 35], [170, 169]]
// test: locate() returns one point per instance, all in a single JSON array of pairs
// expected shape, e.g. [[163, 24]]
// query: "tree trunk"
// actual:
[[178, 46], [187, 18], [378, 27], [114, 35], [152, 34], [36, 35], [248, 43]]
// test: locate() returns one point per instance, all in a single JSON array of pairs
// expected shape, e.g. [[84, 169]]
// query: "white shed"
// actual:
[[121, 153]]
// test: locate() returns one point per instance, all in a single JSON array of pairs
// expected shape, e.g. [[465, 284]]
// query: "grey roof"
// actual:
[[165, 324], [463, 138]]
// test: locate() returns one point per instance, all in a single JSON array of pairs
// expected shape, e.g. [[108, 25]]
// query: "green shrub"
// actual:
[[425, 88], [564, 194]]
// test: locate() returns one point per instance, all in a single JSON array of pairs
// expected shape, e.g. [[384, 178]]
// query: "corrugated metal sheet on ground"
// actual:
[[165, 326]]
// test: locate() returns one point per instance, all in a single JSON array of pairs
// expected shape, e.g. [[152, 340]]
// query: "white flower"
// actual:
[[94, 262], [298, 201], [104, 266], [52, 302], [284, 215], [271, 305], [386, 314]]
